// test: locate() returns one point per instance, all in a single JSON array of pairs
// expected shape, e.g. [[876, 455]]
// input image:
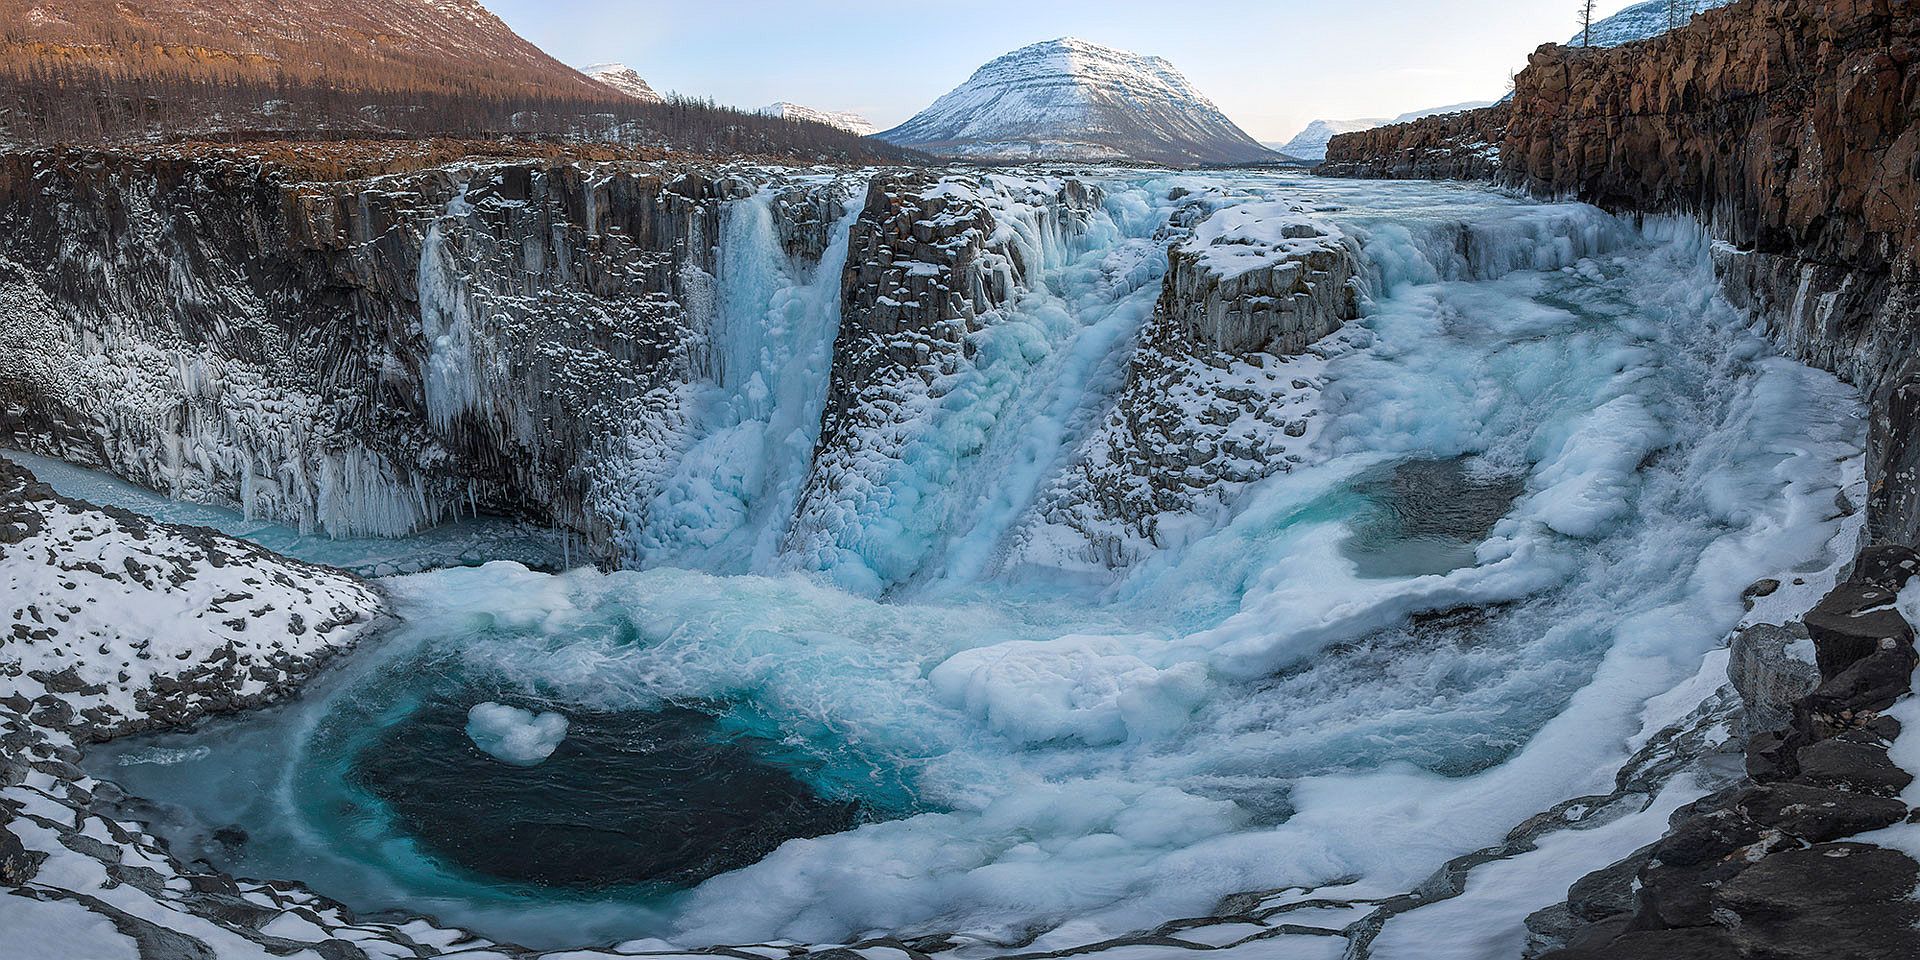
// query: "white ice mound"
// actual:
[[512, 735], [1091, 689]]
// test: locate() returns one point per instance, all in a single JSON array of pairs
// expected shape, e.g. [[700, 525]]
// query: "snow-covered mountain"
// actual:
[[845, 120], [625, 79], [1641, 21], [1070, 99], [1311, 143]]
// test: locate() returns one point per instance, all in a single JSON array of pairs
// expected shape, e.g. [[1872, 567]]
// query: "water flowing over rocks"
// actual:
[[1789, 130], [1219, 388], [369, 357], [1788, 127]]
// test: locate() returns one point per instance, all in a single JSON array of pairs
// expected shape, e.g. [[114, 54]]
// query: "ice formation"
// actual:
[[914, 601], [512, 735]]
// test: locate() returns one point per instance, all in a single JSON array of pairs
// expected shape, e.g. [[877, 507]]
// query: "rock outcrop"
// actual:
[[1763, 868], [1222, 383], [119, 624]]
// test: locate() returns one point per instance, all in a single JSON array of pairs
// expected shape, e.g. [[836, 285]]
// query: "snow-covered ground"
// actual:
[[1642, 21]]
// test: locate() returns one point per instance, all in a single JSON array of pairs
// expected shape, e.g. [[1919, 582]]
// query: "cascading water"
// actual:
[[728, 500], [1335, 687]]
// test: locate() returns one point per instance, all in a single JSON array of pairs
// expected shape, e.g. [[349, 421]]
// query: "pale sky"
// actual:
[[1271, 65]]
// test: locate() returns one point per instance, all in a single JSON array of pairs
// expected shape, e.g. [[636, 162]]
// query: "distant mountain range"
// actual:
[[848, 121], [1070, 99], [1311, 144]]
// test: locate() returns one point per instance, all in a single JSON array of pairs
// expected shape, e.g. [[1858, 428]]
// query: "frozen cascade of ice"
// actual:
[[1247, 711], [457, 365], [728, 498], [972, 453]]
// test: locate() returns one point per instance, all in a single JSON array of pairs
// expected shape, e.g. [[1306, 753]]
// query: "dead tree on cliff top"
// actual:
[[1586, 23]]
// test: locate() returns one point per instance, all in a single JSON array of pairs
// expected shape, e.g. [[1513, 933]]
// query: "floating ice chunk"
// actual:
[[516, 736], [165, 756]]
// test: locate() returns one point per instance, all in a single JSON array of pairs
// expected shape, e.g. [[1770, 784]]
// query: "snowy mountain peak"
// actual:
[[1311, 143], [1071, 99], [845, 120], [625, 79]]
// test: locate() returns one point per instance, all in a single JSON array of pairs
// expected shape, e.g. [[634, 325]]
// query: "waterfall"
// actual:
[[756, 416]]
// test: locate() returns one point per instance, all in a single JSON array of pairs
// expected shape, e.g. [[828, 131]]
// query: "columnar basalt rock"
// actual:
[[365, 356]]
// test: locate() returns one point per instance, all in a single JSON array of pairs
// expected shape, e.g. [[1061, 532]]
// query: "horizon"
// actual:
[[920, 54]]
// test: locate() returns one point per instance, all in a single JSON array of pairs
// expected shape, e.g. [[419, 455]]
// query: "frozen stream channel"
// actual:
[[1547, 461]]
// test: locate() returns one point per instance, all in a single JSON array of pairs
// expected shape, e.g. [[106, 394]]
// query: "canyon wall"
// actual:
[[361, 357], [594, 345], [1790, 128]]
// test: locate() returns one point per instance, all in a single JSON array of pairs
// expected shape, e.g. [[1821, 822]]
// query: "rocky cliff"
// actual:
[[362, 357], [1223, 383]]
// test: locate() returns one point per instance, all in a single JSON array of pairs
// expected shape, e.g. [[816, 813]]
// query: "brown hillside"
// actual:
[[422, 46]]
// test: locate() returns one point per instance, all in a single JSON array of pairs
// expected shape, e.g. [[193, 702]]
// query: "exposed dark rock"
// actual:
[[1768, 677], [1754, 871]]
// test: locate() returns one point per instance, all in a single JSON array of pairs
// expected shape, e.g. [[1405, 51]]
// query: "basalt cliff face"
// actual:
[[573, 342], [367, 357], [1791, 130]]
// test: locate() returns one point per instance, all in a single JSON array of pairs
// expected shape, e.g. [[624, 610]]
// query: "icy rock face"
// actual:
[[368, 357], [930, 262], [121, 624], [1073, 100], [1219, 389]]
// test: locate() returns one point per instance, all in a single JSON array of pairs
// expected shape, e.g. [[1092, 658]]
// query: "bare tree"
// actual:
[[1586, 23], [1678, 13]]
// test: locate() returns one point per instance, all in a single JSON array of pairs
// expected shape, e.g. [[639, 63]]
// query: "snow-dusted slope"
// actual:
[[1641, 21], [1311, 143], [625, 79], [1073, 100], [844, 119]]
